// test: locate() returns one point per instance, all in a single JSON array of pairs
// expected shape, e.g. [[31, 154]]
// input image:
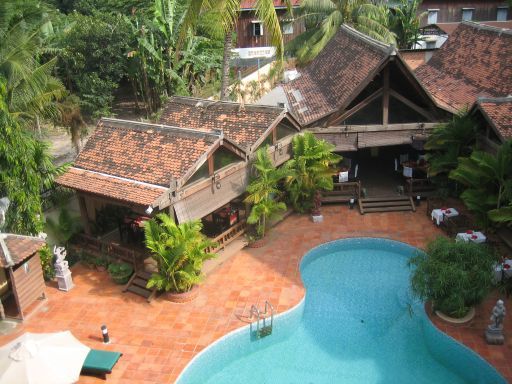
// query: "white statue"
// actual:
[[498, 314], [4, 205], [62, 272]]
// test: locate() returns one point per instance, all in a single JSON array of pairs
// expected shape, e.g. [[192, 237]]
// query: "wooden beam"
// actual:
[[385, 98], [411, 105], [374, 128], [274, 135], [356, 108], [211, 168], [84, 215]]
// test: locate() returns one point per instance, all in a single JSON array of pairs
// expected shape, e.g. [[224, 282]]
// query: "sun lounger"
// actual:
[[100, 363]]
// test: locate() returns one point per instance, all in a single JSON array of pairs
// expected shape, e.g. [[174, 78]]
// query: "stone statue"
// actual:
[[498, 314], [62, 272], [494, 331]]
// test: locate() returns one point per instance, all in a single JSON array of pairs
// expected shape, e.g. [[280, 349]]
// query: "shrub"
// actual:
[[46, 257], [454, 275], [120, 272]]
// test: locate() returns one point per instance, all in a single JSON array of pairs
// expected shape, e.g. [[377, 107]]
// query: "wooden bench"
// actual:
[[421, 187]]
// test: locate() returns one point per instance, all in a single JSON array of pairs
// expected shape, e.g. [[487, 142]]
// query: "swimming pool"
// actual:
[[357, 324]]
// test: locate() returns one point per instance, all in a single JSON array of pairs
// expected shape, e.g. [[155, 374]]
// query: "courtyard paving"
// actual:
[[158, 339]]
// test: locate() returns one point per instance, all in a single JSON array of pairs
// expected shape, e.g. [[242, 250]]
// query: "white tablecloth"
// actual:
[[407, 172], [480, 237], [342, 177], [439, 214]]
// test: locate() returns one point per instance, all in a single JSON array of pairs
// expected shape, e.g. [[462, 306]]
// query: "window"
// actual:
[[257, 28], [432, 16], [201, 173], [223, 157], [502, 14], [467, 14], [288, 28]]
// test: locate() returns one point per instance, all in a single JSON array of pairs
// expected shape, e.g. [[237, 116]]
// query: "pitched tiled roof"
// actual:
[[250, 4], [18, 248], [243, 125], [475, 61], [450, 27], [148, 153], [111, 187], [135, 162], [499, 113], [415, 58], [331, 80]]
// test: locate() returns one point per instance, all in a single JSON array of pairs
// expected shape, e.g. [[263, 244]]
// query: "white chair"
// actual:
[[396, 164], [356, 169], [342, 177]]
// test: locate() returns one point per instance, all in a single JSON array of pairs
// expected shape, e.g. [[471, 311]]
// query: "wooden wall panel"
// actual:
[[342, 141], [28, 286], [451, 11], [379, 139], [207, 200]]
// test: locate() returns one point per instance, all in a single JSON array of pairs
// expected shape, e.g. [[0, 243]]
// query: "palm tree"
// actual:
[[324, 17], [310, 169], [179, 251], [222, 16], [263, 192], [405, 23], [450, 141], [25, 28], [488, 179]]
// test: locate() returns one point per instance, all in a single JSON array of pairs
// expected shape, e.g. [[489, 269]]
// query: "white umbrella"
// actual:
[[42, 358]]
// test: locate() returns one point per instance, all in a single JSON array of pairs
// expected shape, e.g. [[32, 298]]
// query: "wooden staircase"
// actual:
[[386, 204], [137, 285]]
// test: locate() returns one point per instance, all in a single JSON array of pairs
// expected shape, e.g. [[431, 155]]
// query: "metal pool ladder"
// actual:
[[262, 327]]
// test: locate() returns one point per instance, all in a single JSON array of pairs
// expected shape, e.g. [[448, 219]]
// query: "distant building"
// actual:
[[439, 11]]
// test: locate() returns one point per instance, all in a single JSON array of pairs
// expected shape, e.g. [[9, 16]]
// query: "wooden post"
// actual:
[[84, 215], [15, 293], [211, 168], [385, 98]]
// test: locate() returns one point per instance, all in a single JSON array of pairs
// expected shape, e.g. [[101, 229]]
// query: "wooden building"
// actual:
[[21, 275], [439, 11], [250, 31], [187, 172], [359, 93], [494, 118]]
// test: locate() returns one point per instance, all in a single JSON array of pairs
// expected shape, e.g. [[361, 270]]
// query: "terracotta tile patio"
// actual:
[[160, 338]]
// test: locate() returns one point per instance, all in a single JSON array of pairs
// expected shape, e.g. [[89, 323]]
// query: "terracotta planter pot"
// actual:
[[184, 297], [257, 243], [452, 320]]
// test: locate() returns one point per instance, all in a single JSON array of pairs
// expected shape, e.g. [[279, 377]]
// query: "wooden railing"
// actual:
[[419, 187], [227, 237]]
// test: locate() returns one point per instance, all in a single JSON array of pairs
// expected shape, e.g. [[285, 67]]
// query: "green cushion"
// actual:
[[101, 361]]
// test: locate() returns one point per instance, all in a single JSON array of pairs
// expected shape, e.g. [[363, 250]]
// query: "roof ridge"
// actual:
[[143, 183], [138, 124], [226, 102], [388, 48], [496, 100], [486, 27]]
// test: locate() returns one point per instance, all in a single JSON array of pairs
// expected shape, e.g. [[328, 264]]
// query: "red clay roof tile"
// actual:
[[243, 125], [19, 248], [475, 61], [331, 79], [110, 187], [499, 111]]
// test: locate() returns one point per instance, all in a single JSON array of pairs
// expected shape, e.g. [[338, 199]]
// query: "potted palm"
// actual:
[[120, 272], [455, 276], [309, 171], [179, 250], [263, 194]]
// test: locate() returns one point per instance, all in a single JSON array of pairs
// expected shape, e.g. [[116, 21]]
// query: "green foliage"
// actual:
[[310, 170], [93, 58], [120, 272], [405, 23], [263, 192], [454, 275], [488, 181], [46, 256], [65, 227], [26, 169], [323, 18], [179, 251]]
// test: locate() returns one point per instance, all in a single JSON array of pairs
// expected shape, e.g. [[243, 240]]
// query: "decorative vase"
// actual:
[[183, 297]]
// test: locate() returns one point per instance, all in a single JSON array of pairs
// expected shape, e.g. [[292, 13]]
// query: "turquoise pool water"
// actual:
[[358, 324]]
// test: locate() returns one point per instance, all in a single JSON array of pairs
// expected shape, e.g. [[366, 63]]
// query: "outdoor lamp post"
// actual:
[[104, 331], [418, 200], [351, 203]]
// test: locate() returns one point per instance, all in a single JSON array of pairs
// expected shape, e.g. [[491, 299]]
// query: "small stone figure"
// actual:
[[62, 272], [494, 332], [498, 314]]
